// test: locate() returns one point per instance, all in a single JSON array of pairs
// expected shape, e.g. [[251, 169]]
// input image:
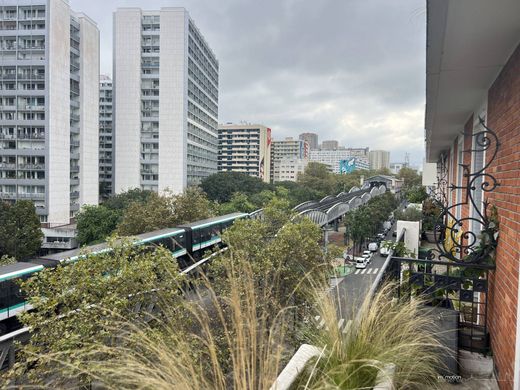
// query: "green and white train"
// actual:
[[186, 242]]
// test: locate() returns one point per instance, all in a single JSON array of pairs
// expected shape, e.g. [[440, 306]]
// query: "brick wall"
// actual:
[[504, 119]]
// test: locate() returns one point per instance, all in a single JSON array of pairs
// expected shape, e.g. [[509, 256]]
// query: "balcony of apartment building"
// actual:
[[59, 238]]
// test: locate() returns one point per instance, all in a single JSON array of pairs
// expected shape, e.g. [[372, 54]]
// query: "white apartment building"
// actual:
[[288, 169], [288, 149], [333, 158], [245, 148], [49, 98], [379, 159], [165, 101], [105, 137]]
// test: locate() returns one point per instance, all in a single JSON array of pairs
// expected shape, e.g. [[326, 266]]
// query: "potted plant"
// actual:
[[431, 213]]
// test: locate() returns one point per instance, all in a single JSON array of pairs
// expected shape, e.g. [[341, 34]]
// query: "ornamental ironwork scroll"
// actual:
[[453, 235]]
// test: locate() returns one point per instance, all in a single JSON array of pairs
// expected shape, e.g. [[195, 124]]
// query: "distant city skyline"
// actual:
[[292, 66]]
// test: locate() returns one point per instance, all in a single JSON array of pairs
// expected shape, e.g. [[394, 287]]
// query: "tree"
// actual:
[[410, 177], [156, 213], [409, 214], [165, 211], [20, 232], [87, 302], [221, 186], [416, 194], [96, 223], [190, 206], [367, 220], [317, 177], [239, 203], [123, 200]]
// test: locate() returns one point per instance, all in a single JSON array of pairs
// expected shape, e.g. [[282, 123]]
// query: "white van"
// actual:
[[373, 247]]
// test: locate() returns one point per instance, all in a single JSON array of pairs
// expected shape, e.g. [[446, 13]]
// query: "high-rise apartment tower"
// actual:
[[165, 101], [106, 138], [49, 88]]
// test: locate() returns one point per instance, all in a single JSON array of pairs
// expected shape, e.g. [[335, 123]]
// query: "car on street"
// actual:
[[367, 255], [361, 262], [373, 246]]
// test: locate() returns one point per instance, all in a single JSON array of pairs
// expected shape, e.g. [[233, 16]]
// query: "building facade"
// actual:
[[165, 101], [105, 137], [379, 159], [311, 138], [245, 148], [288, 169], [290, 153], [333, 158], [473, 120], [49, 93], [329, 145], [289, 148], [396, 167]]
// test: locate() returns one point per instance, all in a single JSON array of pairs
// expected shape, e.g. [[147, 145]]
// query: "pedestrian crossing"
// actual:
[[366, 271]]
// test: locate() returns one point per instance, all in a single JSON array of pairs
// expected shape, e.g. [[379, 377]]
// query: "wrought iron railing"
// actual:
[[455, 234], [456, 286]]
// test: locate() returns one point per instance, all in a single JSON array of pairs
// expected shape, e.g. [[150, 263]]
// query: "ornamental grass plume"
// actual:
[[386, 332], [211, 342]]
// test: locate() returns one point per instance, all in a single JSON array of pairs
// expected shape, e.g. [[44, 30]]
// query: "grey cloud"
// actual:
[[352, 70]]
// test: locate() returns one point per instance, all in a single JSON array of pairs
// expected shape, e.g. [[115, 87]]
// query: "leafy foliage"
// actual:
[[221, 186], [412, 188], [165, 211], [6, 260], [367, 220], [431, 213], [400, 249], [123, 200], [409, 214], [20, 232], [137, 211], [96, 223], [79, 304]]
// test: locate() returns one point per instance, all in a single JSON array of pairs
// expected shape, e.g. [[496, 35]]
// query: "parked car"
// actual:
[[381, 236], [372, 247], [367, 255], [361, 262], [383, 250]]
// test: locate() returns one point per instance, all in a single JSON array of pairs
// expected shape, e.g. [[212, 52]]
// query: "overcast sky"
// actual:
[[350, 70]]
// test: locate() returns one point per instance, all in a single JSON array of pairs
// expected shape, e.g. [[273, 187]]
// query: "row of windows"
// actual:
[[198, 56], [23, 175], [201, 98], [22, 116], [202, 80], [199, 116], [193, 31]]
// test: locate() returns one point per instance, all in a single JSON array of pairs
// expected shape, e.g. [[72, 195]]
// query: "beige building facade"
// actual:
[[245, 148]]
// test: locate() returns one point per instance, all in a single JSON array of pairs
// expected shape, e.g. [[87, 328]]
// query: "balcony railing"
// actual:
[[460, 287]]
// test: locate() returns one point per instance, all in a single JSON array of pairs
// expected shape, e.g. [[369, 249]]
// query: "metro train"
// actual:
[[186, 242]]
